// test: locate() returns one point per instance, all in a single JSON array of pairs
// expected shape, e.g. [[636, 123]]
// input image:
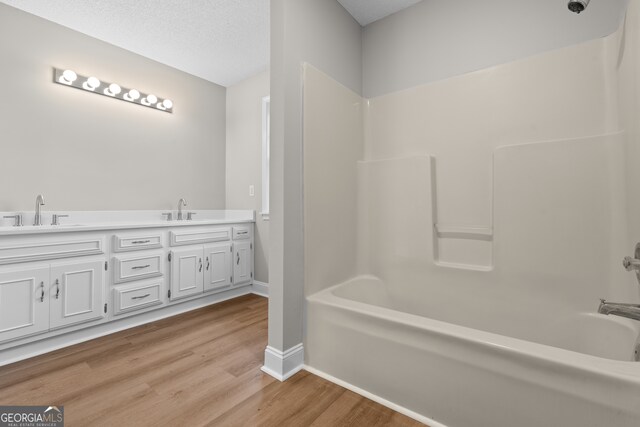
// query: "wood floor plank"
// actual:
[[90, 408], [305, 398], [197, 368], [41, 365]]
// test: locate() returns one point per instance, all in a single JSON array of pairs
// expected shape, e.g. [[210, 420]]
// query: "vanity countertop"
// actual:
[[119, 220]]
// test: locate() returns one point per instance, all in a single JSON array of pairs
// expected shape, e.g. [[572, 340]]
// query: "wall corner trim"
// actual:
[[283, 365], [260, 289]]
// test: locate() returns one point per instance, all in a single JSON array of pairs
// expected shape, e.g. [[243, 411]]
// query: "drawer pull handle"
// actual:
[[141, 296], [140, 242], [42, 294], [242, 232], [57, 288], [140, 267]]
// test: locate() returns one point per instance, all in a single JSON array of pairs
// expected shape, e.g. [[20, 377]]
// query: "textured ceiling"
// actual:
[[367, 11], [223, 41]]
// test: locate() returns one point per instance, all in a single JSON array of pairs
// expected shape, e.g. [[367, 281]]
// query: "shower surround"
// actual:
[[459, 235]]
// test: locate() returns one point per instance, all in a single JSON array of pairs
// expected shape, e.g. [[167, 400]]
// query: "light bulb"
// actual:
[[131, 96], [68, 77], [91, 84], [167, 103], [114, 88], [149, 100]]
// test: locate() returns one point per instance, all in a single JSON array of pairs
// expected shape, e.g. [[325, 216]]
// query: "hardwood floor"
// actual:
[[198, 368]]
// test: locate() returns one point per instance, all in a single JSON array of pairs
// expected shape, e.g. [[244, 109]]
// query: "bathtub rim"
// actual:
[[628, 371]]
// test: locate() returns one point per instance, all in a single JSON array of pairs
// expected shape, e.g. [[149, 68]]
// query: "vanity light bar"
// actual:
[[112, 90]]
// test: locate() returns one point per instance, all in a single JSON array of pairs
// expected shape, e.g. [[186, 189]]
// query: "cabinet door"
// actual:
[[76, 293], [217, 270], [242, 263], [187, 275], [24, 304]]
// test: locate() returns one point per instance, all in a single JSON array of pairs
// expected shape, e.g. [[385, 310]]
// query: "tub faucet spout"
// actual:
[[630, 311]]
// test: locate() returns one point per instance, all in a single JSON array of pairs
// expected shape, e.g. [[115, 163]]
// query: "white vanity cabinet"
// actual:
[[218, 271], [242, 255], [242, 263], [132, 298], [24, 302], [138, 258], [224, 260], [205, 268], [36, 299], [77, 293], [187, 277], [129, 268], [59, 281]]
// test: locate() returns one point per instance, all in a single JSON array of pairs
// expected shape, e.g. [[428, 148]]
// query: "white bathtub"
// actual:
[[529, 364]]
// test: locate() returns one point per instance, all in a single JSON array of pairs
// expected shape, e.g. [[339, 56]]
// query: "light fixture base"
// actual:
[[81, 82]]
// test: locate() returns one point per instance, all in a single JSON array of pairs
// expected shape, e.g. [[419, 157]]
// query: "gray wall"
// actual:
[[88, 152], [244, 158], [437, 39], [628, 68], [324, 34]]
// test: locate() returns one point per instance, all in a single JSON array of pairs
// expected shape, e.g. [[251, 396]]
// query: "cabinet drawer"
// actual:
[[136, 297], [127, 269], [179, 238], [134, 243], [44, 248], [241, 233]]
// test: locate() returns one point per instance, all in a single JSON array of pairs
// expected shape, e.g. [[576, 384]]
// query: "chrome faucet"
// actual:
[[630, 311], [37, 220], [181, 203]]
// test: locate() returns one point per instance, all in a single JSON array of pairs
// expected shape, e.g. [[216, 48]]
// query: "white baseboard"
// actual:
[[260, 288], [282, 365], [384, 402]]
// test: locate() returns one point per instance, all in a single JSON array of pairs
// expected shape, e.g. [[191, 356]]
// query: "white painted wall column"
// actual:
[[322, 33], [278, 315]]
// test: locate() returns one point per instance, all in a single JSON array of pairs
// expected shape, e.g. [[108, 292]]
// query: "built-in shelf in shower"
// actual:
[[463, 247], [461, 232], [398, 204]]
